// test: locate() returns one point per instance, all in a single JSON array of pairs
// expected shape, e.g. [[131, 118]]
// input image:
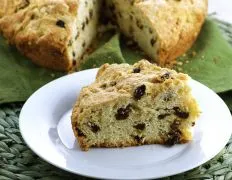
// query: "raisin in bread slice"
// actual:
[[163, 29], [130, 105], [52, 33]]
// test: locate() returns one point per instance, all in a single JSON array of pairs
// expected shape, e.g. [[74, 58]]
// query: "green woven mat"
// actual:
[[17, 161]]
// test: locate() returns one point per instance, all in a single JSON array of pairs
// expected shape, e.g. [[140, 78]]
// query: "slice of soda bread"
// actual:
[[130, 105]]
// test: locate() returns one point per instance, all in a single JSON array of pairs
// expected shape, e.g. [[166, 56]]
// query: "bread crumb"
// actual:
[[179, 63], [184, 55], [194, 53], [179, 69]]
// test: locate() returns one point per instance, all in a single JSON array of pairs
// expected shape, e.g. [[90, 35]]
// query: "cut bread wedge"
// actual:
[[163, 29], [131, 105], [52, 33]]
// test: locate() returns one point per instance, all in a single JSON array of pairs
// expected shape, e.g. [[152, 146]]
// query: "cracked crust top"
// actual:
[[177, 24]]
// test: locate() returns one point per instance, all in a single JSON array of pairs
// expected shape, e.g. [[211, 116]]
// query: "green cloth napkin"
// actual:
[[19, 78], [209, 61]]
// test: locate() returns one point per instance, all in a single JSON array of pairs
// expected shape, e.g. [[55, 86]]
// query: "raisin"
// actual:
[[140, 126], [175, 125], [174, 138], [138, 139], [193, 123], [87, 20], [139, 25], [181, 114], [83, 44], [152, 41], [74, 62], [91, 13], [162, 78], [70, 42], [60, 23], [24, 5], [162, 116], [123, 113], [103, 86], [94, 128], [165, 76], [83, 26], [132, 2], [136, 70], [32, 17], [79, 132], [74, 54], [139, 92]]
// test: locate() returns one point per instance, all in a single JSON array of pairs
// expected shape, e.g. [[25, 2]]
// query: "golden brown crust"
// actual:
[[177, 24], [12, 6], [122, 144], [34, 32]]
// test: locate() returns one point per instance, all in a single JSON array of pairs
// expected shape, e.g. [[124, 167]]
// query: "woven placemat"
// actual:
[[17, 161]]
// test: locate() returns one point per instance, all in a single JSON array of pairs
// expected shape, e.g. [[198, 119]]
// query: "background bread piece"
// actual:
[[130, 105], [56, 33], [164, 29], [51, 32]]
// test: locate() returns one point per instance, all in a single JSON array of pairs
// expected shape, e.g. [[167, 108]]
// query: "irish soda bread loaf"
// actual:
[[56, 33], [130, 105], [164, 29], [52, 33]]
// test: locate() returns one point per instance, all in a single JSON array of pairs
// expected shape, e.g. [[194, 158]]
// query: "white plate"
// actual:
[[222, 9], [45, 125]]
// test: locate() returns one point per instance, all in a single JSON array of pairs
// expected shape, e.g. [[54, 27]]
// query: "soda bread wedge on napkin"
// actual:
[[164, 29], [131, 105], [56, 33]]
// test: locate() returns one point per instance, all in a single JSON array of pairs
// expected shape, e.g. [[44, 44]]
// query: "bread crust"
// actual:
[[34, 31], [31, 26], [11, 6], [177, 24]]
